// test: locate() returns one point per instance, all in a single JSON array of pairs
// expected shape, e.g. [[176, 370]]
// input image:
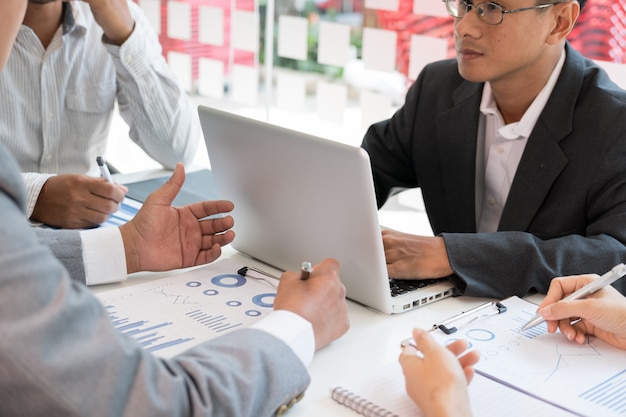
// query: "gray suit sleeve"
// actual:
[[61, 356], [66, 245]]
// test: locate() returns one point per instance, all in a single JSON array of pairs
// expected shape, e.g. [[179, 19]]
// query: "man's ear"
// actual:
[[565, 16]]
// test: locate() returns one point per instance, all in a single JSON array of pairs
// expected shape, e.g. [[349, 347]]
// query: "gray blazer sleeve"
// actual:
[[61, 356], [66, 245]]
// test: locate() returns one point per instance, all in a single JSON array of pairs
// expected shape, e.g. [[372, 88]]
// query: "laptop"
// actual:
[[302, 198]]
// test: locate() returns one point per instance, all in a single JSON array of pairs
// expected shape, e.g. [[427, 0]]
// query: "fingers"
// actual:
[[165, 194], [210, 208], [424, 342], [563, 286], [458, 347], [221, 239]]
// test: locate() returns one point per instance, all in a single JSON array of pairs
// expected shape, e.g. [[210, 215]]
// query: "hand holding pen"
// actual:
[[319, 299], [104, 169], [613, 275], [602, 314]]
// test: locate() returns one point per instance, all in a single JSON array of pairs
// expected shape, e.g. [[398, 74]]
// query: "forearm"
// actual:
[[162, 119], [502, 264], [245, 373], [66, 245]]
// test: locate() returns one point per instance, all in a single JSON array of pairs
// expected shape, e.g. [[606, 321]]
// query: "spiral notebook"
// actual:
[[382, 394]]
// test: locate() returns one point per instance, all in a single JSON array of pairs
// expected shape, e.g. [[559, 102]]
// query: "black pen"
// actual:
[[306, 270]]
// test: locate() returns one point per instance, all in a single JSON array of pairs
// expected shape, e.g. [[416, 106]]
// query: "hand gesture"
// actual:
[[161, 237]]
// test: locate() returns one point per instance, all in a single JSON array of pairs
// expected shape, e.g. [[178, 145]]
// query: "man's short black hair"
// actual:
[[582, 4]]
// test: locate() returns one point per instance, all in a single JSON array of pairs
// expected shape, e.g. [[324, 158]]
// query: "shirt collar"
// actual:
[[524, 127], [73, 19]]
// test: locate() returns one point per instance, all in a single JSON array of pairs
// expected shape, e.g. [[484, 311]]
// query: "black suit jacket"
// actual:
[[566, 210]]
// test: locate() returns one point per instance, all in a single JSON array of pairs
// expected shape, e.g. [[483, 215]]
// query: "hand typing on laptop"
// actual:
[[411, 256]]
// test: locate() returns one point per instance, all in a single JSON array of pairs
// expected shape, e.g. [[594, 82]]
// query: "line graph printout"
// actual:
[[169, 315], [588, 379]]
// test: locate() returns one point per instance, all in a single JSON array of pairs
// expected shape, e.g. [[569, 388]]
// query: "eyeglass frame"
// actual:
[[503, 11]]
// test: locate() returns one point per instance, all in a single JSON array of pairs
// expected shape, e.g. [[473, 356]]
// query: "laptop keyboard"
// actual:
[[403, 286]]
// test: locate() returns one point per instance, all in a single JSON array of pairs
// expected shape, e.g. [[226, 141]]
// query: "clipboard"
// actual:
[[452, 324]]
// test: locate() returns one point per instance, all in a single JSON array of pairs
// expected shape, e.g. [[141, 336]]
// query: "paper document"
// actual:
[[128, 210], [170, 315], [381, 392], [588, 379]]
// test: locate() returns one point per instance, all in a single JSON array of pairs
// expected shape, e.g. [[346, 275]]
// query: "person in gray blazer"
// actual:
[[61, 356], [519, 149]]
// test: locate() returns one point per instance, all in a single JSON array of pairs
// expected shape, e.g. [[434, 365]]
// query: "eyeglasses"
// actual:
[[488, 12]]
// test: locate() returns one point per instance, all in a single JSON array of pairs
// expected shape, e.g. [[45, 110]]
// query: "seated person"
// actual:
[[59, 346], [438, 381], [72, 62], [518, 148]]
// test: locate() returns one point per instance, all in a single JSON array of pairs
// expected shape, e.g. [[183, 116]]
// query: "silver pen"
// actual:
[[305, 270], [104, 170], [610, 277]]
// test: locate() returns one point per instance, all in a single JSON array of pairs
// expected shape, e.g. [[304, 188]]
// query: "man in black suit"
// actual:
[[519, 148]]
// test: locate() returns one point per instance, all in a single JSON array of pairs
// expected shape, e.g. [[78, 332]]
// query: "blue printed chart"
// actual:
[[589, 379], [169, 315], [128, 209]]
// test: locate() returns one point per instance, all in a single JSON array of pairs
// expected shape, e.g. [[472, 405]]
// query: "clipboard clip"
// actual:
[[475, 313], [490, 308], [245, 272]]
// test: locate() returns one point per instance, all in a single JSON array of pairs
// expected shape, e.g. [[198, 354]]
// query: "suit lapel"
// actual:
[[543, 160], [457, 129], [541, 164]]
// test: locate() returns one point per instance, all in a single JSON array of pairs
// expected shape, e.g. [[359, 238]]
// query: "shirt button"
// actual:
[[50, 116], [500, 149], [491, 201], [128, 57]]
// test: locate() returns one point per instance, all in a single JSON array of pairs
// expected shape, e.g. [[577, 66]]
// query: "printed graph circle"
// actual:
[[233, 303], [210, 292], [261, 302], [228, 280], [194, 284], [481, 335], [253, 313]]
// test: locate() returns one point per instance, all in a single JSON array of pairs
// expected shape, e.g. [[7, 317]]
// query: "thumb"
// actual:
[[168, 191]]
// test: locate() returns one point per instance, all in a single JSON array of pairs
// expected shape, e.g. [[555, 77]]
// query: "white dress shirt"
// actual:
[[500, 148], [57, 103]]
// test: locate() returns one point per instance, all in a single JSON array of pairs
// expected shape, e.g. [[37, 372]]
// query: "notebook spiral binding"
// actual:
[[359, 404]]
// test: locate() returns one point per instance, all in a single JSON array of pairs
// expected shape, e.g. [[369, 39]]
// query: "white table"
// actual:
[[373, 339]]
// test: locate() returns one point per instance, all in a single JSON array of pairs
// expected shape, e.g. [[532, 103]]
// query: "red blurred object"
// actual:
[[197, 49], [600, 32]]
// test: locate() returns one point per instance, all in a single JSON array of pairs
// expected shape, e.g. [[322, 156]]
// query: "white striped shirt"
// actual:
[[57, 103]]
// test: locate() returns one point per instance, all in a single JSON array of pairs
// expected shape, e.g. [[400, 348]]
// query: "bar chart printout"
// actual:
[[169, 315]]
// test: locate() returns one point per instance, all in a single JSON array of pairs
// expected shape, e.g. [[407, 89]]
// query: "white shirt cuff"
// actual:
[[292, 329], [103, 255], [34, 183]]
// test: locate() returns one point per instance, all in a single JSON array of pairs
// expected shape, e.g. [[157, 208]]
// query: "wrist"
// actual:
[[130, 249], [120, 34]]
